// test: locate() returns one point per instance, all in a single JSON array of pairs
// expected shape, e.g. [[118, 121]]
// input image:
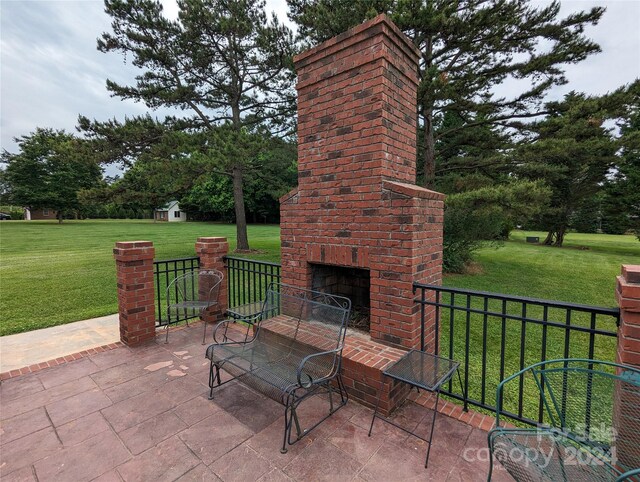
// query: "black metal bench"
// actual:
[[293, 353]]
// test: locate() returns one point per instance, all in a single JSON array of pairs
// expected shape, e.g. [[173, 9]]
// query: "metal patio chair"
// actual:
[[191, 294], [591, 423]]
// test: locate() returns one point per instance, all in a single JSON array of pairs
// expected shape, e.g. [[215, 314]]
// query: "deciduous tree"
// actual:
[[49, 171]]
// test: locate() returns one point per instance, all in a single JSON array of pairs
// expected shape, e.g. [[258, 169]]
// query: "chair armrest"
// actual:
[[629, 476], [220, 331], [500, 391], [301, 373]]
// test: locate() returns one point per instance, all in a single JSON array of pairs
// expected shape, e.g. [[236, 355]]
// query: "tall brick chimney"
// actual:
[[357, 225]]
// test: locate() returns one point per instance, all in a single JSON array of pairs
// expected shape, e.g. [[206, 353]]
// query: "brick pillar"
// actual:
[[628, 297], [626, 418], [212, 252], [136, 299]]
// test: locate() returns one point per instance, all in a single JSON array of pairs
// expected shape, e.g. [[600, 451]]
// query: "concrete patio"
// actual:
[[143, 414]]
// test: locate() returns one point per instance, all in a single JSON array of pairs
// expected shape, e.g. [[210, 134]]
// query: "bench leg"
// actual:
[[287, 429], [212, 378]]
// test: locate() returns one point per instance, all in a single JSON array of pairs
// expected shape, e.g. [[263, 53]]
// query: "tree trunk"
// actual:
[[241, 218], [549, 239], [429, 151], [59, 216], [559, 238]]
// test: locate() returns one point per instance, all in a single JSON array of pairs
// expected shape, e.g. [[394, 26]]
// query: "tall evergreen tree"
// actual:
[[223, 61], [573, 152], [621, 193], [469, 49]]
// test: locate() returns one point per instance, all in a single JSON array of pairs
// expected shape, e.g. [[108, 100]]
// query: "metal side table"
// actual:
[[422, 371]]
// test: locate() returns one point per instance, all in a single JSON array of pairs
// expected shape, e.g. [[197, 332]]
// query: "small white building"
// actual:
[[170, 212]]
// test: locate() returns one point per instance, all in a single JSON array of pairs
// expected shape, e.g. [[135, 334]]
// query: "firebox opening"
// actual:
[[353, 283]]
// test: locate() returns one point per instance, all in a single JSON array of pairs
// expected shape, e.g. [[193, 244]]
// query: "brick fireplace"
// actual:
[[356, 212], [357, 225]]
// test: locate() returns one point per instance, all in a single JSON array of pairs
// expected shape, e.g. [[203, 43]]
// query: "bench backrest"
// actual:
[[305, 316]]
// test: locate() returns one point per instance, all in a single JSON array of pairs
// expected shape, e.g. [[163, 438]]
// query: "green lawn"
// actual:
[[52, 274], [582, 272]]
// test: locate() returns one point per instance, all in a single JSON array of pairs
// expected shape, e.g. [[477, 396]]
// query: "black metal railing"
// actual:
[[494, 335], [164, 272], [248, 279]]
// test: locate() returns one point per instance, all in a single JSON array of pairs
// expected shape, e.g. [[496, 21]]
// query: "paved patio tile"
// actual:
[[455, 432], [225, 430], [26, 474], [133, 411], [167, 429], [196, 409], [136, 386], [392, 462], [165, 462], [253, 409], [81, 429], [412, 416], [181, 389], [355, 441], [23, 424], [85, 461], [195, 361], [24, 451], [269, 441], [40, 399], [200, 473], [323, 461], [74, 407], [112, 358], [117, 375], [111, 476], [67, 372], [392, 434], [275, 475], [20, 387], [241, 464], [151, 432]]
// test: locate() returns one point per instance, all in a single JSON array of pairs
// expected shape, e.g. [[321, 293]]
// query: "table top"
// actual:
[[422, 370]]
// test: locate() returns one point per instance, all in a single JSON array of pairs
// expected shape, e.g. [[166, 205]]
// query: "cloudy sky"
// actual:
[[51, 70]]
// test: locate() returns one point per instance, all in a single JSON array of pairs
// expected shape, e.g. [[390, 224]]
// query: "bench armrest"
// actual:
[[220, 334], [331, 371]]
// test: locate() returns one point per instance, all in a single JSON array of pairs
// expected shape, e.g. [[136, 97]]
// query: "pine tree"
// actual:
[[222, 61], [573, 152], [469, 49]]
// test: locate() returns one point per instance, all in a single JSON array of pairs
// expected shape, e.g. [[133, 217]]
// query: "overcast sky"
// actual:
[[51, 70]]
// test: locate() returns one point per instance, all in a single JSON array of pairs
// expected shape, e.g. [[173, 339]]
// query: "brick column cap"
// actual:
[[398, 37], [411, 190], [631, 273], [211, 240], [133, 244], [133, 250]]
